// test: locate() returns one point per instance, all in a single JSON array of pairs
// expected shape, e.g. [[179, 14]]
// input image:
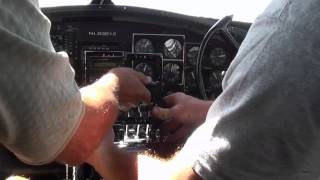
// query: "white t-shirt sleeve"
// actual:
[[40, 103]]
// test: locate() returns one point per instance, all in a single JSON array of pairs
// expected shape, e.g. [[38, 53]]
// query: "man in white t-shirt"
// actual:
[[44, 116]]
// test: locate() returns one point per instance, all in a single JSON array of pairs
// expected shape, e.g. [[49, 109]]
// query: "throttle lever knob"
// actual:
[[155, 90]]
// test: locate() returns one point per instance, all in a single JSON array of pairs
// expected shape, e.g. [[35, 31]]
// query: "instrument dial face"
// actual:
[[218, 57], [172, 73], [192, 55], [214, 84], [172, 48], [145, 68], [215, 80], [191, 80], [144, 46]]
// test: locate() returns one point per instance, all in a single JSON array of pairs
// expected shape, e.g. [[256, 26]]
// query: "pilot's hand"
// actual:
[[184, 114], [131, 88]]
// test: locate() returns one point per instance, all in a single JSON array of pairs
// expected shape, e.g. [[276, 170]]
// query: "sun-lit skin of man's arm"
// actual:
[[111, 162], [177, 168], [101, 110]]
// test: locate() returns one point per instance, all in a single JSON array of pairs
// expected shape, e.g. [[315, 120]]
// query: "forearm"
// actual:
[[101, 110], [122, 166], [115, 164]]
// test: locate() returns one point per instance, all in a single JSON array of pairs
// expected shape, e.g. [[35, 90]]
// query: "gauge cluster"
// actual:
[[169, 58], [170, 45], [171, 49], [216, 62]]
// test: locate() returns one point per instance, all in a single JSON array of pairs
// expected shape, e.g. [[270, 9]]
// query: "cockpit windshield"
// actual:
[[244, 10]]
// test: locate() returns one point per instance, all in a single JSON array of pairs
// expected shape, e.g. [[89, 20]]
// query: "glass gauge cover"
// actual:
[[215, 80], [192, 55], [172, 73], [145, 68], [191, 80], [144, 46], [218, 57], [172, 48]]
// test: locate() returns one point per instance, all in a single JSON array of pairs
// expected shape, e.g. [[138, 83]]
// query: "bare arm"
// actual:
[[101, 110], [142, 167], [111, 162]]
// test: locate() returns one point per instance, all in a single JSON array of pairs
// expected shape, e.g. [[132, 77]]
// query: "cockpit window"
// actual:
[[244, 10], [50, 3]]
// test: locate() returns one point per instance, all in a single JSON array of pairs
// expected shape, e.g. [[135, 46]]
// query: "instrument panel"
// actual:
[[162, 49], [169, 58]]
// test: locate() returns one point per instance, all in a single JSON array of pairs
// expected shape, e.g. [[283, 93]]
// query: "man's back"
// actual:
[[265, 124]]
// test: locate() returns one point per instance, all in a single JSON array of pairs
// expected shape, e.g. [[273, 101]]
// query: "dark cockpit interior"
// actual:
[[160, 44]]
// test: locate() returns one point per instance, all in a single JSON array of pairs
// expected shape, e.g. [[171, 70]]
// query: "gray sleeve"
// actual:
[[265, 124], [40, 103]]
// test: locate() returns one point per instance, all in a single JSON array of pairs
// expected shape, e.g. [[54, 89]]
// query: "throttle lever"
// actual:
[[156, 91]]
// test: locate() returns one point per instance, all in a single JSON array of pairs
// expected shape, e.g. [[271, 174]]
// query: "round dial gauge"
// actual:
[[144, 46], [218, 57], [191, 80], [172, 73], [192, 55], [215, 80], [214, 84], [145, 68], [172, 48]]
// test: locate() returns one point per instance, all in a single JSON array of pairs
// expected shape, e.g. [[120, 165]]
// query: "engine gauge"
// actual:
[[214, 84], [145, 68], [191, 80], [144, 45], [218, 57], [192, 55], [172, 48], [172, 73], [215, 80]]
